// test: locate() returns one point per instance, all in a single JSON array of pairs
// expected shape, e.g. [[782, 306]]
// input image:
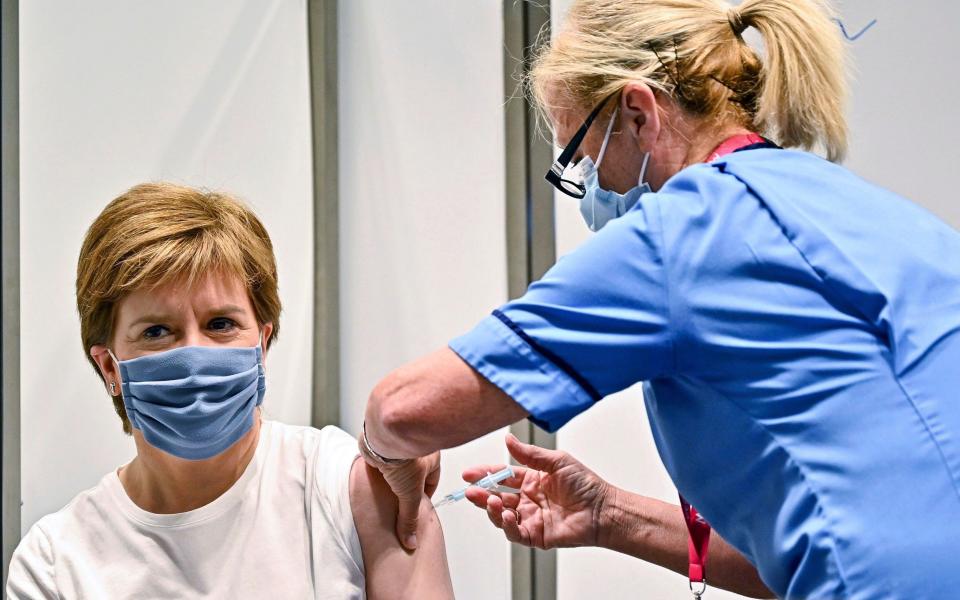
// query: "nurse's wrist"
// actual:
[[374, 458], [629, 523], [614, 523]]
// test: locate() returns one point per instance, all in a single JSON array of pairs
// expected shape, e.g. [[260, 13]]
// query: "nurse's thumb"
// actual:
[[536, 457], [409, 509]]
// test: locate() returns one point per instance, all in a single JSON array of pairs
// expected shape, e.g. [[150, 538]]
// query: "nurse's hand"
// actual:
[[559, 503], [410, 480]]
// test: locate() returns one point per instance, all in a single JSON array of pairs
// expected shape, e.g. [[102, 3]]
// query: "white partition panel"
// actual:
[[117, 92], [422, 217]]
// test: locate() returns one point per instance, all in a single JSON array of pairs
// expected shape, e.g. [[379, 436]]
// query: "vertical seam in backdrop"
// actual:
[[10, 275], [531, 236], [322, 41]]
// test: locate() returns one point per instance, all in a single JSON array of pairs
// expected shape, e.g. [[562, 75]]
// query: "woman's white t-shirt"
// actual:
[[283, 530]]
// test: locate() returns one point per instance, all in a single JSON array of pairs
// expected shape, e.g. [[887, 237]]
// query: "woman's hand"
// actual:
[[559, 503]]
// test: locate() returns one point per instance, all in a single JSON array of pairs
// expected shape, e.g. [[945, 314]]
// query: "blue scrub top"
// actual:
[[798, 330]]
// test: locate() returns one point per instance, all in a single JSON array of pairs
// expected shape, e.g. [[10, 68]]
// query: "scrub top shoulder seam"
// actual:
[[798, 465], [668, 297]]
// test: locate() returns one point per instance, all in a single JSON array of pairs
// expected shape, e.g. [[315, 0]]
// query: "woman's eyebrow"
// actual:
[[227, 309], [153, 318]]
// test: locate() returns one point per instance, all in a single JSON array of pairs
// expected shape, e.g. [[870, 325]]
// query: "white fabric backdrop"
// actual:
[[422, 218], [117, 92]]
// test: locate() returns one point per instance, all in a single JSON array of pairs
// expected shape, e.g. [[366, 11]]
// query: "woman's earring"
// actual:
[[113, 388]]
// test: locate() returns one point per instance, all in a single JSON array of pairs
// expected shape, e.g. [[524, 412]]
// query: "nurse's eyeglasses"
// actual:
[[555, 176]]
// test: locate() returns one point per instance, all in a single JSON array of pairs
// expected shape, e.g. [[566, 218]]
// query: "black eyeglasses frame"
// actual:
[[574, 189]]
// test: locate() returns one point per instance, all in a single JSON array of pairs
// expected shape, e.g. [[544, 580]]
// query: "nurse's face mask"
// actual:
[[193, 402], [598, 206]]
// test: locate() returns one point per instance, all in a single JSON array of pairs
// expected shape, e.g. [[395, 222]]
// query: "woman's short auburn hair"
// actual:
[[155, 233]]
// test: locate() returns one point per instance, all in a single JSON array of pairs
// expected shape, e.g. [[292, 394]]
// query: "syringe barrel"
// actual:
[[493, 479]]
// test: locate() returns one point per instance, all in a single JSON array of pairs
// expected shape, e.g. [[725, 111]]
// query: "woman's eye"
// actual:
[[154, 332], [221, 324]]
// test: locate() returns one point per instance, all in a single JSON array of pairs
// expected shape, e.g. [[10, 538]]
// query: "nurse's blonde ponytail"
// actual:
[[804, 87], [694, 51]]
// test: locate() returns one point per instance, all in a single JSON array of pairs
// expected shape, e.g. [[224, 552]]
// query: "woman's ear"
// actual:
[[108, 368], [265, 332], [641, 117]]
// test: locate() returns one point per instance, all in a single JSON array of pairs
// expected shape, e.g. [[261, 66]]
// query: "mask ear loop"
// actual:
[[603, 150], [606, 138], [643, 169], [117, 363]]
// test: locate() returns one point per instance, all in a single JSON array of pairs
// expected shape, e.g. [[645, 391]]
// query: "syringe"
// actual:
[[490, 482]]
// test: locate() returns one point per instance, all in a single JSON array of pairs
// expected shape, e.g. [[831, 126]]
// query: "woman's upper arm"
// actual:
[[391, 571]]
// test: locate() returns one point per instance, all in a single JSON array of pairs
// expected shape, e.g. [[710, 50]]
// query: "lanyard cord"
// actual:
[[698, 542]]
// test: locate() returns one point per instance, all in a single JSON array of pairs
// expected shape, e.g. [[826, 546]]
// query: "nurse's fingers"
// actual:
[[536, 457], [511, 527], [432, 481], [477, 496], [494, 511], [510, 500]]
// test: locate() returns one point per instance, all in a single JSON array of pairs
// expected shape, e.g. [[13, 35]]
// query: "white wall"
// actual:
[[116, 92], [902, 116], [422, 217]]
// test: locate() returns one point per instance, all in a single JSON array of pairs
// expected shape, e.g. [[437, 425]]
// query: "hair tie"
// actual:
[[736, 21]]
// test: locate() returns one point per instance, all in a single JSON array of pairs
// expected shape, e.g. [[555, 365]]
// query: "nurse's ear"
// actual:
[[640, 116]]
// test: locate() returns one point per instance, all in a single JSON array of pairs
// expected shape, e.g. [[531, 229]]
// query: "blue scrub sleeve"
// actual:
[[595, 324]]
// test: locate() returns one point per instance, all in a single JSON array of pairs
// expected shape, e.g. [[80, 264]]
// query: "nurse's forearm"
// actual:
[[655, 531], [434, 403]]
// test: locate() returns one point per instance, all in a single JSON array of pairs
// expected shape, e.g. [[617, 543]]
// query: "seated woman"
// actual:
[[177, 294]]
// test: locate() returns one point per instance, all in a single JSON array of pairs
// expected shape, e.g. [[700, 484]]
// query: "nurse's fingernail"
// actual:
[[411, 542]]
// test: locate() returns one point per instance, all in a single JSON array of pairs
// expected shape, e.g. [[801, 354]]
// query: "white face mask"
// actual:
[[599, 206]]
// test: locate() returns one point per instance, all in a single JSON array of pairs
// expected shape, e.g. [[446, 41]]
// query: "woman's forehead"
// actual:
[[212, 290]]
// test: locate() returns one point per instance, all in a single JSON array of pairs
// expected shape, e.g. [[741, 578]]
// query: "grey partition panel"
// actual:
[[531, 244], [322, 27], [10, 300]]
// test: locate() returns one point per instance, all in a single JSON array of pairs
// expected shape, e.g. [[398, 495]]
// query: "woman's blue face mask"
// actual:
[[600, 206], [193, 402]]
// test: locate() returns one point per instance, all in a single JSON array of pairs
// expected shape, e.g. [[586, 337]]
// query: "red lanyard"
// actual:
[[733, 144], [697, 546], [699, 539]]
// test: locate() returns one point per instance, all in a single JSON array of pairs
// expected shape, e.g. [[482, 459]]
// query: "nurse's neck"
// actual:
[[687, 142], [161, 483]]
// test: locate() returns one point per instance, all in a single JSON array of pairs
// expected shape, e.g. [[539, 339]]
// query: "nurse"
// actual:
[[797, 328]]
